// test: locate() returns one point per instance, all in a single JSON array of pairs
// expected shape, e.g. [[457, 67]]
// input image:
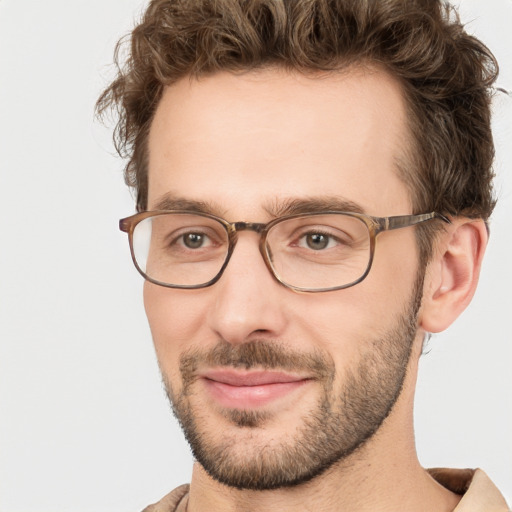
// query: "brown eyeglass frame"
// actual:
[[375, 226]]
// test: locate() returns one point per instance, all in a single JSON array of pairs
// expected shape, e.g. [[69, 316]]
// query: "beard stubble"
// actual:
[[339, 424]]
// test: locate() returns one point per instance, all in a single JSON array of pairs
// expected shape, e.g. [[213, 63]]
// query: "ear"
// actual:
[[452, 274]]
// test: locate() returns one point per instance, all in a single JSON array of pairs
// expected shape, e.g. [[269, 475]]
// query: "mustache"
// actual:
[[261, 354]]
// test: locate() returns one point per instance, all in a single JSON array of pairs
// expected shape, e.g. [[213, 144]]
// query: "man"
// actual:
[[313, 183]]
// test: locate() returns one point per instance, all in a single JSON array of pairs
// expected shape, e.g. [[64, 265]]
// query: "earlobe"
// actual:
[[452, 274]]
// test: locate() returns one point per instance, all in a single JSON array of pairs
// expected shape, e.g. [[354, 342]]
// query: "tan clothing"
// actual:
[[479, 493]]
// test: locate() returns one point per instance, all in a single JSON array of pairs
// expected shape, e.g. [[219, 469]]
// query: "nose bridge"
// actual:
[[246, 300], [258, 228]]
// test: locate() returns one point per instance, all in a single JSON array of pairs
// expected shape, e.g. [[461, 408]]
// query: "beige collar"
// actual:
[[479, 493]]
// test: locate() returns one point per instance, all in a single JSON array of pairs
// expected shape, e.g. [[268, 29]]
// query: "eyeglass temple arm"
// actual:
[[124, 225], [402, 221]]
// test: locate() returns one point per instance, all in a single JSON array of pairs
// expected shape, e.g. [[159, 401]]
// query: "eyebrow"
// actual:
[[277, 207], [172, 202]]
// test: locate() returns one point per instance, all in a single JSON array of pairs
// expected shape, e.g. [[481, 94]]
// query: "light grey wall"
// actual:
[[84, 425]]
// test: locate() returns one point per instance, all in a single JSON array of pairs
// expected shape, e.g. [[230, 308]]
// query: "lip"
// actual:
[[250, 389]]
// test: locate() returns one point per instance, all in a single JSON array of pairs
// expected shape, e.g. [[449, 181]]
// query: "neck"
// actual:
[[395, 484]]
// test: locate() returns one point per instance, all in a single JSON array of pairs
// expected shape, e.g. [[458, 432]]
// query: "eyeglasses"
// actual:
[[311, 252]]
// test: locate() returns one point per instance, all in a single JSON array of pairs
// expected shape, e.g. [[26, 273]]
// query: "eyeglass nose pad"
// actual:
[[258, 228], [233, 241], [222, 269], [268, 258], [268, 252]]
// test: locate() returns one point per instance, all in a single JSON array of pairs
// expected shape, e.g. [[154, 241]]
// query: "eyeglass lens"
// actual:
[[309, 252]]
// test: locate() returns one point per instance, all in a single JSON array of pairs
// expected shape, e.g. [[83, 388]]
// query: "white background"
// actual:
[[84, 424]]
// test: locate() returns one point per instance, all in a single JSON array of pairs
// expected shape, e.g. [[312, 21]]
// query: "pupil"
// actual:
[[317, 241], [193, 240]]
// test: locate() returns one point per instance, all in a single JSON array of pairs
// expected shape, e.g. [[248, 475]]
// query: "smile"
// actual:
[[246, 390]]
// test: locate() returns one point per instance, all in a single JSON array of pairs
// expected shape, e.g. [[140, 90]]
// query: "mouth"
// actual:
[[236, 389]]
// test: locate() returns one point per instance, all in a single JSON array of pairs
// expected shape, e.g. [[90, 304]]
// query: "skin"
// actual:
[[240, 143]]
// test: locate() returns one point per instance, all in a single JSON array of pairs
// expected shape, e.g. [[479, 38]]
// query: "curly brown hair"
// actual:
[[446, 75]]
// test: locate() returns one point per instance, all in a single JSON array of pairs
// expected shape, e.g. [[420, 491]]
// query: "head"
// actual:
[[248, 109], [446, 77]]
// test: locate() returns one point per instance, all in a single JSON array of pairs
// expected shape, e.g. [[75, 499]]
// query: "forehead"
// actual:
[[241, 141]]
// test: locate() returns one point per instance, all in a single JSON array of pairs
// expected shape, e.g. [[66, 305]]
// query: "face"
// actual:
[[272, 387]]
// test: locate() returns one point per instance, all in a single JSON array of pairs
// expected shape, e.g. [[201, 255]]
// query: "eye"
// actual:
[[317, 241], [194, 240]]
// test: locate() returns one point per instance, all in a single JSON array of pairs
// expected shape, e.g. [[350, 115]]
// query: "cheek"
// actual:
[[393, 275], [175, 318], [336, 323], [344, 322]]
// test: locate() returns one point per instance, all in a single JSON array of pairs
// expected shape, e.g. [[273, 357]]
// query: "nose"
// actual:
[[247, 301]]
